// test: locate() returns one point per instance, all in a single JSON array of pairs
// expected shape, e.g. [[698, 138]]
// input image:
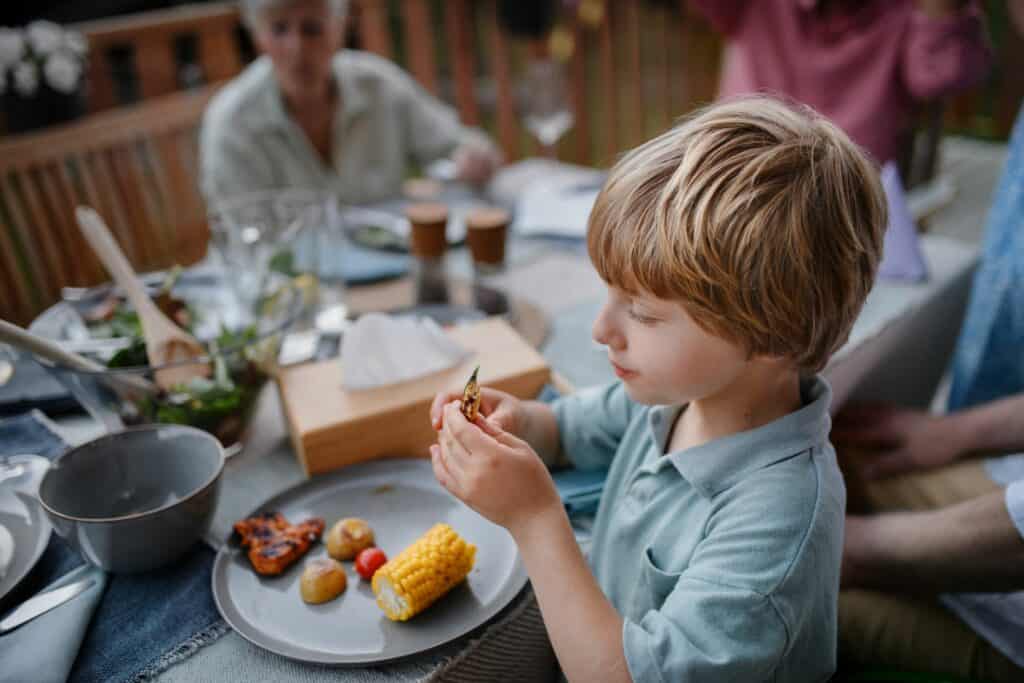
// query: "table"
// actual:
[[897, 350]]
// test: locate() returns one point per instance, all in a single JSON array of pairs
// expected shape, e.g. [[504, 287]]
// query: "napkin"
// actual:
[[557, 206], [580, 490], [45, 648], [380, 349], [902, 259]]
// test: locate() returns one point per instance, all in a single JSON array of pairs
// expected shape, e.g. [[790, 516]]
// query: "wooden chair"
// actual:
[[136, 166], [150, 54]]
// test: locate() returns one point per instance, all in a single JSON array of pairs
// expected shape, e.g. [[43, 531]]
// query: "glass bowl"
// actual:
[[241, 349]]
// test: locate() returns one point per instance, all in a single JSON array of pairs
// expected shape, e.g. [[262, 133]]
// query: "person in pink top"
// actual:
[[865, 64]]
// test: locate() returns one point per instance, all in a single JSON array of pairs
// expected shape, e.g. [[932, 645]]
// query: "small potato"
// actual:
[[322, 579], [348, 537]]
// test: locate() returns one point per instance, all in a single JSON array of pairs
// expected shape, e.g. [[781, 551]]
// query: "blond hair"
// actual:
[[763, 219]]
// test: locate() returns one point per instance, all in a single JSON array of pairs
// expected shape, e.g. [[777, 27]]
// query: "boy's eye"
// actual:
[[641, 318], [279, 28]]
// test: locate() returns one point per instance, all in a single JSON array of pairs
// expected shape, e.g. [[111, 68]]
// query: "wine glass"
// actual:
[[544, 102]]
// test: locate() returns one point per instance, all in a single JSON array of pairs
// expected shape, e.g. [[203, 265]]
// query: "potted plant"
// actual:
[[41, 75]]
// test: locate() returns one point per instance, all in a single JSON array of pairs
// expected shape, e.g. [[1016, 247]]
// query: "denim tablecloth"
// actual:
[[144, 622]]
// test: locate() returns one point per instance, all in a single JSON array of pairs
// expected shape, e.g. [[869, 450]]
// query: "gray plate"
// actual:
[[400, 499], [25, 519]]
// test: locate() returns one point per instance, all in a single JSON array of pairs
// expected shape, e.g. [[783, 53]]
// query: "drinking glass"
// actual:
[[544, 102]]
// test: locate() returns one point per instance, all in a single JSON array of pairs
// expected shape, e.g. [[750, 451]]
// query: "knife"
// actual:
[[43, 603]]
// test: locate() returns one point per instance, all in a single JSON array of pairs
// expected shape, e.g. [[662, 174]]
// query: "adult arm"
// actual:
[[433, 130], [899, 440], [974, 546], [946, 49]]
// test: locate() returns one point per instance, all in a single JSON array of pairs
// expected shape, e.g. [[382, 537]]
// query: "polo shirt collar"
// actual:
[[721, 463]]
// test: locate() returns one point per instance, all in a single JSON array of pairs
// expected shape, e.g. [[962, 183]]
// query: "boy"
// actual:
[[737, 248]]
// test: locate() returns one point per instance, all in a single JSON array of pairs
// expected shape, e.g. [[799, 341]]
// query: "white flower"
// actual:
[[76, 42], [12, 46], [62, 71], [44, 37], [26, 78]]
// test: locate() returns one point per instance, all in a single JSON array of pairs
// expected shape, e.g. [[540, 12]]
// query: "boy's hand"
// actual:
[[492, 471], [502, 410], [893, 440]]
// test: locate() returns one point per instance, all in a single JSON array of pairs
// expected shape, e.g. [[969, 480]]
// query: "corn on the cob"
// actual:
[[471, 397], [411, 581]]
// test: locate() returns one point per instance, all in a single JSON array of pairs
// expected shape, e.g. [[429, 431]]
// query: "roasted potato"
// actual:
[[348, 537], [322, 579]]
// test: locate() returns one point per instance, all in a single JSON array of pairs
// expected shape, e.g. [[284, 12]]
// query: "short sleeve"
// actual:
[[706, 631], [592, 422], [1015, 504], [753, 590]]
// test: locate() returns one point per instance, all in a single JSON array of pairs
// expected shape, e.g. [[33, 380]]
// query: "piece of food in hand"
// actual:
[[415, 578], [322, 579], [368, 561], [273, 543], [347, 537], [471, 397]]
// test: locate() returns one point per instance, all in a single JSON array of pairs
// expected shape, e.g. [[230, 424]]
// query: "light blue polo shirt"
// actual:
[[722, 559]]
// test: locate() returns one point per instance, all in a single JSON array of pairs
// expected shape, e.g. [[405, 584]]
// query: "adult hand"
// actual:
[[492, 471], [891, 440], [857, 552], [503, 411], [476, 161]]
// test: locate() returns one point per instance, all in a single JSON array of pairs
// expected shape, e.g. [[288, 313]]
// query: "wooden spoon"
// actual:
[[165, 341]]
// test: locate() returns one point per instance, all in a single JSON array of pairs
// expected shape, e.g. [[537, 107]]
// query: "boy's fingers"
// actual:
[[437, 408], [470, 436], [498, 433], [441, 472]]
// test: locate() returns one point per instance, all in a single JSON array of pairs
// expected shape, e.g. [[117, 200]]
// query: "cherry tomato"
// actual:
[[368, 561]]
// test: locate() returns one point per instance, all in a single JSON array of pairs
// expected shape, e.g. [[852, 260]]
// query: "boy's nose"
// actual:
[[604, 332]]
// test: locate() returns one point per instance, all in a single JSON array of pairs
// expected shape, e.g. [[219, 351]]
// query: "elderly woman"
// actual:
[[308, 114]]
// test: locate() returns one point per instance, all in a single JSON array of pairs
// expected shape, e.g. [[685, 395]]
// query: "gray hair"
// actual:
[[252, 10]]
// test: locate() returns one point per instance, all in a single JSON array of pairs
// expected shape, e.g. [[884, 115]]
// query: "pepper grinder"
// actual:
[[428, 243]]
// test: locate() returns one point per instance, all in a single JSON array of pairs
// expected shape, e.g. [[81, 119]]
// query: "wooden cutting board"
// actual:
[[332, 427]]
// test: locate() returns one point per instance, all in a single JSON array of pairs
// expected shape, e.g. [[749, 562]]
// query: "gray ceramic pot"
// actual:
[[137, 499]]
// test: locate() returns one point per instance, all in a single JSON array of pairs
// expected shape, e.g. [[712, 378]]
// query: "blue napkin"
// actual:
[[31, 386], [140, 624], [902, 258], [354, 264], [45, 648], [580, 489]]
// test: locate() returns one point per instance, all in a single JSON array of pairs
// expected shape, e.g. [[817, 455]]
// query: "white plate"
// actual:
[[22, 516]]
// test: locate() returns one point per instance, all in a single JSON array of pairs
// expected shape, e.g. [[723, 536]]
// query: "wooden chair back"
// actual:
[[631, 73], [624, 88], [150, 54], [136, 166]]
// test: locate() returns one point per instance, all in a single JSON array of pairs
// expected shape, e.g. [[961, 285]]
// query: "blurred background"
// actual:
[[624, 70]]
